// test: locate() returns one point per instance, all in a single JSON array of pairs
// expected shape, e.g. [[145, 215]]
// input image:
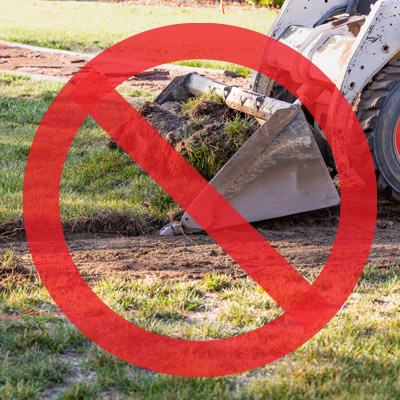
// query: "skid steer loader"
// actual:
[[285, 167]]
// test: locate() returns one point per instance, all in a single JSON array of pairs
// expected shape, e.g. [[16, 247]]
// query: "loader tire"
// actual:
[[378, 111]]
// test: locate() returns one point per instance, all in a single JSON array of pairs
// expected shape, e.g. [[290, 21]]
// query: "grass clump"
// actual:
[[217, 282], [12, 272], [213, 134], [7, 259]]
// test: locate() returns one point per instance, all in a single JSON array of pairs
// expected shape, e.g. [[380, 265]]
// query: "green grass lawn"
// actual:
[[95, 26], [355, 357], [95, 179]]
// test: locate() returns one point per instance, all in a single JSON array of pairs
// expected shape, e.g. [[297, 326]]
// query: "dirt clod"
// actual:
[[204, 131], [111, 144], [233, 74], [12, 230], [162, 119], [213, 109]]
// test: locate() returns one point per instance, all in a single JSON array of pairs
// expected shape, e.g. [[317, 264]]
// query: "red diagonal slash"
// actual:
[[191, 191]]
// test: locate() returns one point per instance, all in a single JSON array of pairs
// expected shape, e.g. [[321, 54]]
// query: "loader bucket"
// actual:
[[279, 171]]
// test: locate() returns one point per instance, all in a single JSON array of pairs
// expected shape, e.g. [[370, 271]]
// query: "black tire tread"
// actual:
[[369, 106]]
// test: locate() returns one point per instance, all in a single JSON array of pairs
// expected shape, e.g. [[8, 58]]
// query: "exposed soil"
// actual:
[[64, 65], [112, 222], [8, 272], [305, 240], [58, 64], [164, 119]]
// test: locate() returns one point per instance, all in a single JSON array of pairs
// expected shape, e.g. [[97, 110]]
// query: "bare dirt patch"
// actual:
[[304, 240], [58, 64], [66, 64]]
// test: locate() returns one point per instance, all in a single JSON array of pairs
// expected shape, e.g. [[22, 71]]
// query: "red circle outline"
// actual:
[[397, 139], [184, 357]]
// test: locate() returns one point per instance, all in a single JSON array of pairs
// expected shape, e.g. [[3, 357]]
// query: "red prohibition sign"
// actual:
[[308, 308]]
